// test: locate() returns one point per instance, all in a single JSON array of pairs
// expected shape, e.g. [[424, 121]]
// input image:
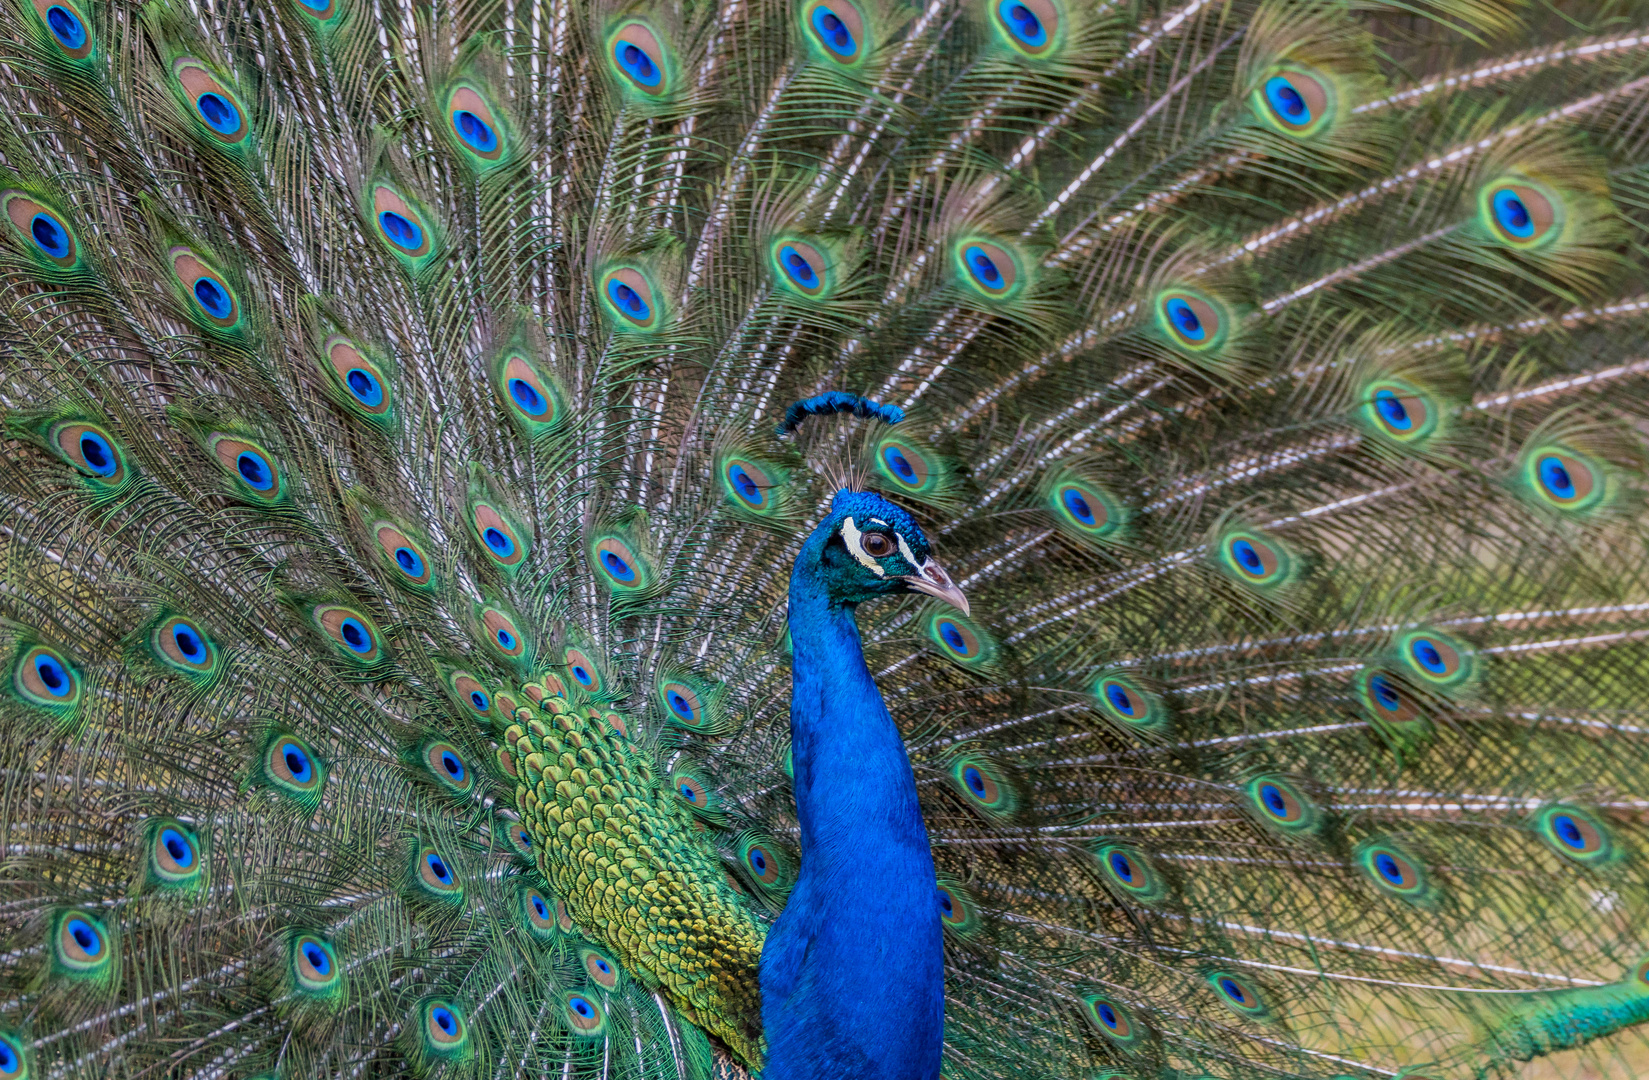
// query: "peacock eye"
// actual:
[[877, 544]]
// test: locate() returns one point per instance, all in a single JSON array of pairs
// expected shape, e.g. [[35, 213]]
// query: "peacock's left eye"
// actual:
[[877, 544]]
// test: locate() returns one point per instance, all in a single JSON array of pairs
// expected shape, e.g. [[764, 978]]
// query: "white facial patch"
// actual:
[[853, 538], [904, 549]]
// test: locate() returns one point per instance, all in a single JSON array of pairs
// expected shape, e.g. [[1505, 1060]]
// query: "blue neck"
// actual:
[[853, 973]]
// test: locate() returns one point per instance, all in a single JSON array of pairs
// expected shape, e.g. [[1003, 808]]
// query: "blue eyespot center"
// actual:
[[1427, 656], [49, 236], [1185, 319], [297, 764], [540, 909], [98, 456], [438, 868], [1555, 478], [1389, 868], [946, 904], [475, 132], [833, 33], [628, 300], [66, 27], [454, 767], [255, 470], [317, 958], [1023, 24], [1122, 866], [1281, 95], [1107, 1015], [1512, 214], [975, 781], [1272, 796], [1234, 991], [409, 562], [1568, 832], [479, 700], [53, 675], [1385, 695], [177, 848], [402, 231], [1391, 410], [355, 635], [983, 268], [1078, 506], [582, 675], [444, 1020], [800, 270], [1248, 558], [746, 488], [1120, 699], [218, 112], [758, 860], [900, 464], [188, 644], [581, 1007], [214, 298], [680, 705], [366, 389], [637, 64], [617, 567], [527, 397], [952, 636], [9, 1061], [688, 792], [85, 936], [506, 640]]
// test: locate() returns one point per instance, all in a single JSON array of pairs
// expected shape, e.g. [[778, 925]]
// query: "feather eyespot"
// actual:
[[960, 640], [13, 1065], [1122, 701], [400, 226], [1393, 870], [1031, 26], [46, 232], [600, 967], [1281, 805], [1389, 703], [502, 633], [294, 770], [802, 267], [837, 29], [184, 646], [364, 381], [749, 485], [1436, 658], [957, 910], [1114, 1020], [529, 394], [1239, 995], [498, 537], [763, 866], [81, 945], [67, 25], [639, 58], [404, 555], [315, 967], [1131, 875], [446, 764], [210, 294], [539, 913], [321, 10], [1295, 101], [1254, 560], [1399, 412], [446, 1035], [629, 297], [472, 694], [436, 873], [1519, 213], [519, 838], [92, 450], [984, 785], [174, 855], [691, 791], [1575, 834], [906, 465], [683, 702], [474, 125], [582, 1015], [1192, 321], [352, 631], [252, 467], [1563, 479], [619, 562], [214, 105], [583, 671], [988, 268], [42, 676]]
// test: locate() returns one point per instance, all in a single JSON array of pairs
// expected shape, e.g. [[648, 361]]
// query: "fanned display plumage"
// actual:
[[396, 523]]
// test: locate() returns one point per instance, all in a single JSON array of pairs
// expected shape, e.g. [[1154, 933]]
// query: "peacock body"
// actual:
[[433, 642]]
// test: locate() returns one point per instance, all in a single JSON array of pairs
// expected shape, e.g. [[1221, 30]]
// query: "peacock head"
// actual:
[[868, 547]]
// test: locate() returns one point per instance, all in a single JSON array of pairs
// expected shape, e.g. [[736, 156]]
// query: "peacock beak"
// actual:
[[935, 582]]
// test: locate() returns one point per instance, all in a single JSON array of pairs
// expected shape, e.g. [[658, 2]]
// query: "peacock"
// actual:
[[824, 539]]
